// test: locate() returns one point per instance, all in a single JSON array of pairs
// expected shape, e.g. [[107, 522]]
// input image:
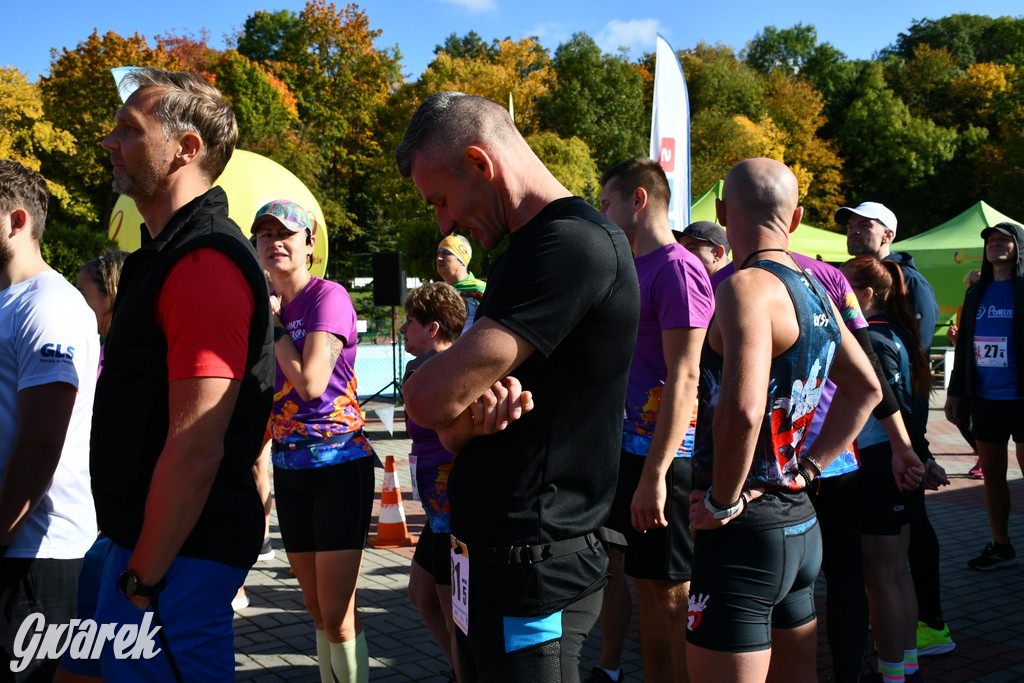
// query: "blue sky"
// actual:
[[859, 29]]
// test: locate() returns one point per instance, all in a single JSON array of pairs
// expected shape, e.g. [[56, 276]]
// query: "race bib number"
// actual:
[[460, 585], [990, 352]]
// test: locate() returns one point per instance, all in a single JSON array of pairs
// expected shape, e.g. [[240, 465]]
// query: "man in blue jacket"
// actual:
[[871, 229]]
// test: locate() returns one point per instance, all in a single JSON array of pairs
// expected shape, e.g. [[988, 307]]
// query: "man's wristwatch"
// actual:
[[128, 583], [722, 513]]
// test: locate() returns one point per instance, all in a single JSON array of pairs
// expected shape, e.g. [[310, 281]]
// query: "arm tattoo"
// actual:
[[334, 348]]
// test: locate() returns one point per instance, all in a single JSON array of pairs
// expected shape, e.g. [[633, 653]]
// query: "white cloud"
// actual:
[[475, 6], [551, 34], [637, 35]]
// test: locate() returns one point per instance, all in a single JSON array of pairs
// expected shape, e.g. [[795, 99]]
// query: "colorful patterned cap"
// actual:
[[458, 247], [289, 214]]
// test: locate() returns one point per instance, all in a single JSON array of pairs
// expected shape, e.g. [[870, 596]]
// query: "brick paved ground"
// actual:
[[274, 636]]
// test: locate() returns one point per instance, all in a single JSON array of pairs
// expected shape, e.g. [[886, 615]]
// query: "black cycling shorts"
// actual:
[[665, 553], [745, 583], [325, 508]]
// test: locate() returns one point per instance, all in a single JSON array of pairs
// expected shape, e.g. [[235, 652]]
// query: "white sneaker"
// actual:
[[266, 552], [241, 600]]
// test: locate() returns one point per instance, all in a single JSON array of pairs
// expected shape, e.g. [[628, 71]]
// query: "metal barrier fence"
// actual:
[[375, 365]]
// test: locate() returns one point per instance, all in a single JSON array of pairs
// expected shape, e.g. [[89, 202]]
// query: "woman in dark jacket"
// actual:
[[988, 369]]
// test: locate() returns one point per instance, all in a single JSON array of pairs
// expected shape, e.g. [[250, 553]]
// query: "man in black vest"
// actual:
[[185, 391]]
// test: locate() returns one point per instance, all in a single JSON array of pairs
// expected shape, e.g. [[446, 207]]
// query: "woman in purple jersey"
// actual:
[[323, 464]]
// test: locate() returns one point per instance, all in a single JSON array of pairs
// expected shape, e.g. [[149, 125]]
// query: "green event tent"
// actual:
[[946, 253], [807, 240]]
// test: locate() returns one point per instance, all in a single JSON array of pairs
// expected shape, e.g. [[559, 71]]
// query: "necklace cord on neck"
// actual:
[[761, 251]]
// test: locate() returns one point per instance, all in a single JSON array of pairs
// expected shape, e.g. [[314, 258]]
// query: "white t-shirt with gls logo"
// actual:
[[48, 334]]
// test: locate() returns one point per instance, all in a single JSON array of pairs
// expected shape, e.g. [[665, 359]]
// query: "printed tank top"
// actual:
[[795, 384]]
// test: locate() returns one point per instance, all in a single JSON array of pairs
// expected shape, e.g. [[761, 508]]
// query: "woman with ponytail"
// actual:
[[887, 511]]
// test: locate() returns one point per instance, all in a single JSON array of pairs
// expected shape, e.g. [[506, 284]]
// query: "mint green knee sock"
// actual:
[[350, 661]]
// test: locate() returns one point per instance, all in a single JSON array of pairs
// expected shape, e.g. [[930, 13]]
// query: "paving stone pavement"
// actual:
[[274, 639]]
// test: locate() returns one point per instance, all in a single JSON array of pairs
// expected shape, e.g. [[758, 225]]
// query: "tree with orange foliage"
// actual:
[[520, 69], [79, 96], [341, 82]]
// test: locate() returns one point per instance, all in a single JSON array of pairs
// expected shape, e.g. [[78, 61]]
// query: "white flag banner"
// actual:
[[386, 414], [670, 131]]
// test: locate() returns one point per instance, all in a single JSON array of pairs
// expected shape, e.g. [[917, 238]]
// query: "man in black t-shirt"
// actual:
[[529, 488]]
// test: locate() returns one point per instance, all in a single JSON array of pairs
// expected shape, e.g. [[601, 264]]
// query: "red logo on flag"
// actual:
[[667, 154]]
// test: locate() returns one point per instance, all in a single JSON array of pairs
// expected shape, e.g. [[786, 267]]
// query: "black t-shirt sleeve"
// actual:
[[552, 277]]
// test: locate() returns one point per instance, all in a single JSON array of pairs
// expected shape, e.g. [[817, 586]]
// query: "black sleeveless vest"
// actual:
[[130, 420]]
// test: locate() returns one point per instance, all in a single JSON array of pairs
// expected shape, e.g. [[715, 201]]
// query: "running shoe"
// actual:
[[994, 556], [975, 472], [916, 677], [241, 600], [599, 675], [933, 642], [266, 552]]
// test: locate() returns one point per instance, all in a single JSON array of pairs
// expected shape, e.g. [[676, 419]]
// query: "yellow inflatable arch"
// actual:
[[250, 181]]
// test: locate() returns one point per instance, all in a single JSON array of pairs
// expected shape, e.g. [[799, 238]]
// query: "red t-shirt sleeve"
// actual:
[[205, 309]]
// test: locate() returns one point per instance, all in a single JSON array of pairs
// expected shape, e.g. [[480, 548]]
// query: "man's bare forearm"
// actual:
[[44, 413]]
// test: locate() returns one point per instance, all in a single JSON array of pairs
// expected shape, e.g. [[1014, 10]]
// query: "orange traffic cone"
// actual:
[[392, 531]]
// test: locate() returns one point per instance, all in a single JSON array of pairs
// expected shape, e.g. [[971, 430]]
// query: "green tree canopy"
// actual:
[[717, 80], [598, 98], [570, 162], [268, 36], [470, 46], [891, 156], [341, 82], [971, 38]]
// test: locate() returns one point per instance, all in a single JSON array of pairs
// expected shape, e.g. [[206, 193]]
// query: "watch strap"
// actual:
[[130, 584], [720, 512]]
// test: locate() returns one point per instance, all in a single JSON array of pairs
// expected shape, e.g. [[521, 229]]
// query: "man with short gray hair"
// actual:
[[528, 495]]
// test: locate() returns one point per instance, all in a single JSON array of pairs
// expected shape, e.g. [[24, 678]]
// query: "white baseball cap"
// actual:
[[872, 210]]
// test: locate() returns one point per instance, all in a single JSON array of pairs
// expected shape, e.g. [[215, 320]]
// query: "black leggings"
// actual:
[[837, 503], [923, 556]]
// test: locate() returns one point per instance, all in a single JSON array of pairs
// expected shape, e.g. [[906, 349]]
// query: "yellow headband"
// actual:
[[457, 248]]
